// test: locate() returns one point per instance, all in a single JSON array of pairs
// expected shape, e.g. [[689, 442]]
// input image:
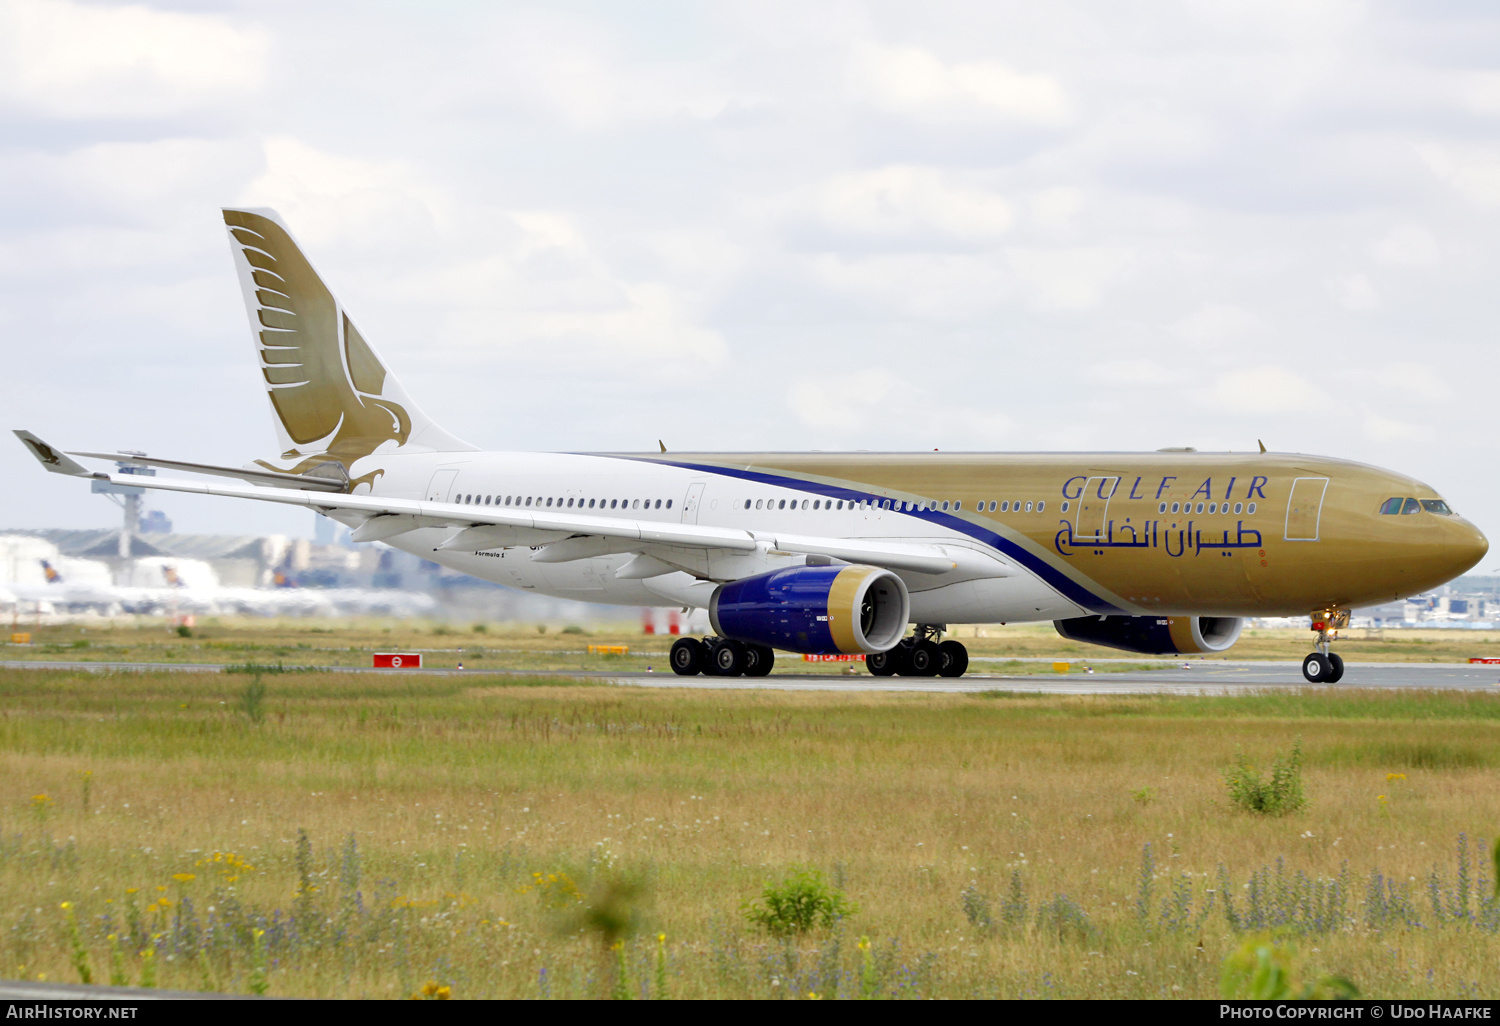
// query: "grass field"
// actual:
[[1024, 648], [362, 836]]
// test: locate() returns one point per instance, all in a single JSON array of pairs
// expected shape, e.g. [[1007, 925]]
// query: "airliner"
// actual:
[[865, 554]]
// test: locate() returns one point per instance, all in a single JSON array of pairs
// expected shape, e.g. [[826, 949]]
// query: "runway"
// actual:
[[1202, 678]]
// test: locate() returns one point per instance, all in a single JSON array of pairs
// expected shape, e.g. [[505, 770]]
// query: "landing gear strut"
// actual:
[[1323, 666], [921, 655], [720, 657]]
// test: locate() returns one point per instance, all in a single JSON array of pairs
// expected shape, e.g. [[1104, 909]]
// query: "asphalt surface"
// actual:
[[1206, 678]]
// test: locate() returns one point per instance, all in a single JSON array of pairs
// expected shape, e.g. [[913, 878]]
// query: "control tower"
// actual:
[[128, 498]]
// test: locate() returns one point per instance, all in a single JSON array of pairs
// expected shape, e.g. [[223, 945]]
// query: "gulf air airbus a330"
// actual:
[[1161, 552]]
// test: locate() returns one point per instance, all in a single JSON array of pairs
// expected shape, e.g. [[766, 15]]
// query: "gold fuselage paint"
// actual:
[[1316, 539]]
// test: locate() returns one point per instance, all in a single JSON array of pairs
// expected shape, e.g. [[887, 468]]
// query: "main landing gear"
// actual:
[[1323, 666], [921, 655], [720, 657]]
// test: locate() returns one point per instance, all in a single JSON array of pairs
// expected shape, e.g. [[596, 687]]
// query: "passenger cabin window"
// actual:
[[1437, 506]]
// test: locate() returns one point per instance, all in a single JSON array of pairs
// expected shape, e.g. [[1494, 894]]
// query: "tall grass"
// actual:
[[376, 835]]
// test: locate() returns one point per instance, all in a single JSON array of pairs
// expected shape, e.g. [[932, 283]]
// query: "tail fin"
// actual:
[[331, 395]]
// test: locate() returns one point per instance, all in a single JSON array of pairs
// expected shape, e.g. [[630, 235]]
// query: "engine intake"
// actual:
[[821, 610], [1154, 635]]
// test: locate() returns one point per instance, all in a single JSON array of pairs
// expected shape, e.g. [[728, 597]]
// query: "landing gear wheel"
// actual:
[[1317, 668], [1336, 662], [728, 659], [923, 660], [953, 659], [901, 657], [687, 657], [881, 664], [758, 660]]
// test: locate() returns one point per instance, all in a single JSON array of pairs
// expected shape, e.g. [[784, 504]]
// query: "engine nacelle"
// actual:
[[823, 610], [1154, 635]]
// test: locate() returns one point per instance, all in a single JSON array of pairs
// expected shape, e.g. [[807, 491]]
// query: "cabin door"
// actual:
[[1093, 506], [440, 485], [1305, 508], [693, 500]]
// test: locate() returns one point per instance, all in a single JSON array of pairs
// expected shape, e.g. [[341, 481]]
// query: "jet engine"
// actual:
[[1154, 635], [822, 610]]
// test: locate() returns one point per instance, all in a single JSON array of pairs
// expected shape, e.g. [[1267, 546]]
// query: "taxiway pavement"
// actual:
[[1189, 678]]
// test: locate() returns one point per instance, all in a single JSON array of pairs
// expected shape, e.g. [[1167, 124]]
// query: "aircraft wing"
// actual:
[[485, 527], [254, 475]]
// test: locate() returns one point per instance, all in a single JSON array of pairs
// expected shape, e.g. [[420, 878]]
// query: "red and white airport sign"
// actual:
[[398, 660], [858, 657]]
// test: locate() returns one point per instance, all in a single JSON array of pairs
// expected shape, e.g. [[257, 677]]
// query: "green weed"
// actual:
[[1279, 795], [800, 902]]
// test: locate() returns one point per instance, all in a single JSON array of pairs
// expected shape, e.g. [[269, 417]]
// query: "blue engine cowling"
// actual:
[[1154, 635], [821, 610]]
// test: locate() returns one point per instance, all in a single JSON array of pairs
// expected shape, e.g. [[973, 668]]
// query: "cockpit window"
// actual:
[[1410, 506], [1390, 507], [1437, 506]]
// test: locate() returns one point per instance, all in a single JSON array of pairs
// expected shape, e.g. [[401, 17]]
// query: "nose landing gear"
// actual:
[[1323, 666]]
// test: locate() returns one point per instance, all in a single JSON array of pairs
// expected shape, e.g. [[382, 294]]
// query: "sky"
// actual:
[[765, 225]]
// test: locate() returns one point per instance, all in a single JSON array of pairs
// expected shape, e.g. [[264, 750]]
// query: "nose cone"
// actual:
[[1464, 545]]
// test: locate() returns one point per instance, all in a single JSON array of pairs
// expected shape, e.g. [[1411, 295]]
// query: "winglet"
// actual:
[[54, 460], [662, 444], [1262, 445]]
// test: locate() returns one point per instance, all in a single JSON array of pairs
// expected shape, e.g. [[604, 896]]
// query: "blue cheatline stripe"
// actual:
[[1065, 585]]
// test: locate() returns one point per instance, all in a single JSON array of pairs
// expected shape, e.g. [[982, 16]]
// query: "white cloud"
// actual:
[[1389, 430], [843, 404], [77, 60], [1055, 208], [1136, 373], [327, 196], [1408, 245], [1472, 170], [912, 81], [905, 202], [942, 287], [1355, 293], [1067, 279], [1412, 381], [1217, 324], [651, 323], [1265, 391]]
